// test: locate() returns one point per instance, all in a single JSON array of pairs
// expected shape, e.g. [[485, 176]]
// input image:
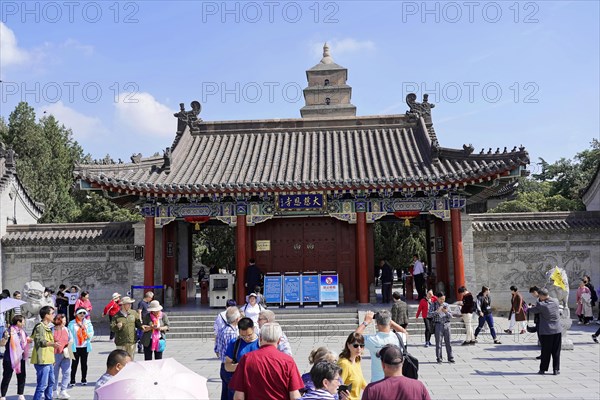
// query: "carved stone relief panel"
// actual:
[[88, 275]]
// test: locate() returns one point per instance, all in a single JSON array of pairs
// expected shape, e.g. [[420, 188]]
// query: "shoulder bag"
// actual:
[[410, 363]]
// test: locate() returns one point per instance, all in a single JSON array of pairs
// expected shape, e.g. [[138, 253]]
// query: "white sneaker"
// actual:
[[64, 395], [21, 397], [2, 398]]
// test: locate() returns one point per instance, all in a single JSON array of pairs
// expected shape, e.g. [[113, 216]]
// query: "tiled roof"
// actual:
[[72, 233], [375, 152], [525, 222], [8, 172]]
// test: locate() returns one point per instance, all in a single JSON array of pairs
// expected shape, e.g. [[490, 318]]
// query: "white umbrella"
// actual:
[[9, 303], [155, 379]]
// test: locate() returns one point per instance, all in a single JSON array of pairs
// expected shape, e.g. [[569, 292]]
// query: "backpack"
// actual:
[[410, 363], [236, 349]]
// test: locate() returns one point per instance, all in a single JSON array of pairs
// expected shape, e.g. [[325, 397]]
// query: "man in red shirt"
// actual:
[[111, 309], [267, 373], [394, 386]]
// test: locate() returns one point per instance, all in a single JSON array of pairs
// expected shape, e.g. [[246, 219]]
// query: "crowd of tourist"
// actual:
[[255, 354], [60, 343]]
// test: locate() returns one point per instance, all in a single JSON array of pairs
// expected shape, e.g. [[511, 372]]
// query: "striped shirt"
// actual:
[[226, 335]]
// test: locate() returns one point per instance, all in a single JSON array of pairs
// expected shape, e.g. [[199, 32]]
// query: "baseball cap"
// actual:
[[390, 354]]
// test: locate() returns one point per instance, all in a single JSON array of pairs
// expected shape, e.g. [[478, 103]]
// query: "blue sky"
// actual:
[[500, 73]]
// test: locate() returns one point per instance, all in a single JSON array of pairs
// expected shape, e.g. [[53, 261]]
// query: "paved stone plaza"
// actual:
[[484, 371]]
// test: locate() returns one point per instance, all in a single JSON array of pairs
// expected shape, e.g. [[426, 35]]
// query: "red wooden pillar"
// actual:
[[241, 247], [457, 251], [149, 252], [362, 264], [169, 261]]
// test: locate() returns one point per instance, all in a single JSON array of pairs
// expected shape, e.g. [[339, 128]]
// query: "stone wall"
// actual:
[[98, 257], [518, 249], [500, 250]]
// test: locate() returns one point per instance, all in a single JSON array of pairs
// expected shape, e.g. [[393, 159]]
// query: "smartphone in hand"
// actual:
[[346, 388]]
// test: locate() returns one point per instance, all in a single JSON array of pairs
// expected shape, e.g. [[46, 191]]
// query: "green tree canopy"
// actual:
[[397, 243], [558, 187], [46, 154]]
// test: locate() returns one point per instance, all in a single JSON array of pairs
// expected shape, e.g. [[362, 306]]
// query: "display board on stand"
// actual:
[[273, 288], [329, 288], [310, 289], [292, 291]]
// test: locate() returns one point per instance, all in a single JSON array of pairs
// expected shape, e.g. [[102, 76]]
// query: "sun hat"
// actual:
[[127, 300], [253, 294], [154, 305], [115, 295]]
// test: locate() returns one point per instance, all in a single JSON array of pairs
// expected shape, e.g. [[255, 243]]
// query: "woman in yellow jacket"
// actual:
[[349, 361], [42, 356]]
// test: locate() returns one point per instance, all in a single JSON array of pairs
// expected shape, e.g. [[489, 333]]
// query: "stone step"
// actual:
[[283, 321], [297, 322], [278, 317]]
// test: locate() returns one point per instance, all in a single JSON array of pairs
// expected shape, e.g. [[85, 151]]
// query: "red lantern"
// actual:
[[197, 220], [407, 215]]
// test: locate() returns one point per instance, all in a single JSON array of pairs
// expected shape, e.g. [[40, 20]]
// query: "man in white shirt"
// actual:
[[419, 276], [384, 335]]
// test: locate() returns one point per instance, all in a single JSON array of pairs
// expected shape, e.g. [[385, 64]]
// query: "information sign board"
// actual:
[[329, 288], [291, 289], [272, 291], [310, 288]]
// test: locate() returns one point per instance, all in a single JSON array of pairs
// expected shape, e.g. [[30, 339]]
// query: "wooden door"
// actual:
[[309, 244]]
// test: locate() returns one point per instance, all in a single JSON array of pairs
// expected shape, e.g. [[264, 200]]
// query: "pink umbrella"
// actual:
[[155, 379]]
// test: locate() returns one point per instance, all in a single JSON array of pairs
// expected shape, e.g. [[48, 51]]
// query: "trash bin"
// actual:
[[183, 291]]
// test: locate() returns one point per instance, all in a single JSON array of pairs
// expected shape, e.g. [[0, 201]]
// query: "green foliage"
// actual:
[[558, 187], [97, 208], [397, 243], [215, 245], [46, 155]]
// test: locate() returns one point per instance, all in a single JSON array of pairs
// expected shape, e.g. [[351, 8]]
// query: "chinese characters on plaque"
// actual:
[[291, 202]]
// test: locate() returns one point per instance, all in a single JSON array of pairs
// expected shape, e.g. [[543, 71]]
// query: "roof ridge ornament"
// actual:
[[189, 118], [422, 110], [136, 158]]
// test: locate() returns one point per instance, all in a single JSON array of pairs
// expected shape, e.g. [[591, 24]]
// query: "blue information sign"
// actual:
[[291, 289], [272, 289], [310, 289], [313, 201], [329, 288]]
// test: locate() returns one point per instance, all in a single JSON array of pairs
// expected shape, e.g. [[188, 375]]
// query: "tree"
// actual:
[[46, 155], [558, 187], [97, 208], [214, 245], [397, 243]]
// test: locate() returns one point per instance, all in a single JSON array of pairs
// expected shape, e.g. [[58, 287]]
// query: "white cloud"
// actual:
[[141, 114], [85, 49], [83, 126], [10, 53], [344, 46]]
